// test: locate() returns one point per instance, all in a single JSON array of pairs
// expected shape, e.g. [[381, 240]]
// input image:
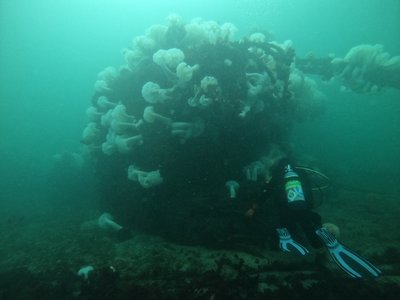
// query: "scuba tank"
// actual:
[[294, 191]]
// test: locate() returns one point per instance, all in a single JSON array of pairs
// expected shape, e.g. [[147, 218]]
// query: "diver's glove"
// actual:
[[287, 244], [349, 261]]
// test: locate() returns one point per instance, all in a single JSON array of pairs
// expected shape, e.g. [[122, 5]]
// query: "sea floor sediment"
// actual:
[[42, 253]]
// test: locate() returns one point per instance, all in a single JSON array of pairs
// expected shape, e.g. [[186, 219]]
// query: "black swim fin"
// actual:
[[349, 261]]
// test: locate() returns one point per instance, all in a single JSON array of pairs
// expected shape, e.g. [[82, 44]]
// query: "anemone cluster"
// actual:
[[368, 68], [193, 108]]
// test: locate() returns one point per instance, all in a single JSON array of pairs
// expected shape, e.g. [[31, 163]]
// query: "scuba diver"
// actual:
[[291, 189]]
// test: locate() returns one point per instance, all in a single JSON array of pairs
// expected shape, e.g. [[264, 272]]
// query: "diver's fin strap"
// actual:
[[349, 261], [287, 244]]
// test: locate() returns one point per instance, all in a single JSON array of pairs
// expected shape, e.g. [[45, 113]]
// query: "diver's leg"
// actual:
[[310, 221], [286, 242]]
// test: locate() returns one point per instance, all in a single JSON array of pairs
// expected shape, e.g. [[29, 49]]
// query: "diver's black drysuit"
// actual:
[[298, 213]]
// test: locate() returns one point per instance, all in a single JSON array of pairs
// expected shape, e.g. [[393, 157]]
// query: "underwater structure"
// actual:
[[194, 113]]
